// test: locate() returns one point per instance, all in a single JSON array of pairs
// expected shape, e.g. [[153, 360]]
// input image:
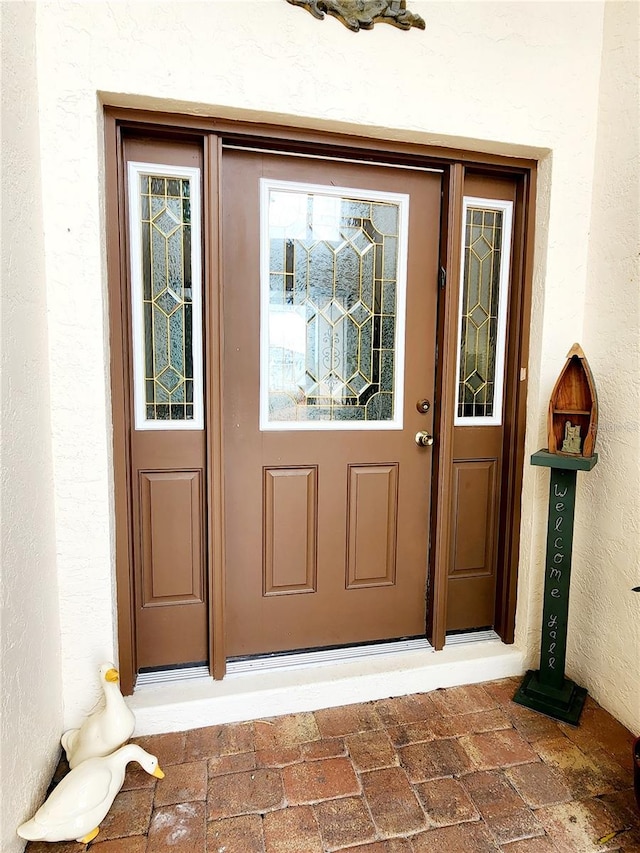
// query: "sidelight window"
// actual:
[[166, 296], [483, 311]]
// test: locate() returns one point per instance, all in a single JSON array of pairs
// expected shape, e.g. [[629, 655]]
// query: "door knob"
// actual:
[[423, 439]]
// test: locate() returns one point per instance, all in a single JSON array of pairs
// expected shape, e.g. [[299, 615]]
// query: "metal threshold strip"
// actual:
[[471, 637], [167, 676], [229, 147], [325, 656], [301, 660]]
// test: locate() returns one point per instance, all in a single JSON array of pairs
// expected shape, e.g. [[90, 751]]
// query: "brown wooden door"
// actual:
[[326, 523], [167, 445]]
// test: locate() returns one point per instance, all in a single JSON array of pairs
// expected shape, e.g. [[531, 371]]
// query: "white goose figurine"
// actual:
[[105, 729], [81, 801]]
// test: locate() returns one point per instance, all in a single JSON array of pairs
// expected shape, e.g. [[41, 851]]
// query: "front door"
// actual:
[[329, 294]]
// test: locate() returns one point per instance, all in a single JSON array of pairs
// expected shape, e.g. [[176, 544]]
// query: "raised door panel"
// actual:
[[475, 517], [290, 527], [172, 565], [372, 528]]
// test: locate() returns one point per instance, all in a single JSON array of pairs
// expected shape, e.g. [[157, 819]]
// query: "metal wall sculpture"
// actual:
[[363, 14]]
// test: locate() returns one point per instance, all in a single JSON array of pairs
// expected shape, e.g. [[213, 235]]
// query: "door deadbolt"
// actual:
[[423, 406], [424, 439]]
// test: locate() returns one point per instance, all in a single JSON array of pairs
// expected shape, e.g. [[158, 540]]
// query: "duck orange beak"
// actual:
[[112, 675], [158, 773]]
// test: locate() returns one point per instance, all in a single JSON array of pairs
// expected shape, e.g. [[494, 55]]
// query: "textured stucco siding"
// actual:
[[604, 637], [31, 685]]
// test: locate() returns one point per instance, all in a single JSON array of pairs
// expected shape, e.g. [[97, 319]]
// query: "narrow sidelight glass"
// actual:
[[483, 307], [164, 220]]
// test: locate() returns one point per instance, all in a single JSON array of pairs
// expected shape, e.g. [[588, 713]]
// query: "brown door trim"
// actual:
[[213, 314], [451, 241], [283, 137], [213, 133], [516, 409], [120, 403]]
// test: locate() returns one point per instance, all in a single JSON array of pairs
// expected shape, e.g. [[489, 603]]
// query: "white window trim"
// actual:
[[135, 170], [503, 293], [402, 200]]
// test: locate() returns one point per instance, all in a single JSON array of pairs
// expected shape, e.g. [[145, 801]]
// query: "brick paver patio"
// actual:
[[461, 770]]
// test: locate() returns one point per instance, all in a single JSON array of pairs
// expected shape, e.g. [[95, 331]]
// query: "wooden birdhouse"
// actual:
[[573, 408]]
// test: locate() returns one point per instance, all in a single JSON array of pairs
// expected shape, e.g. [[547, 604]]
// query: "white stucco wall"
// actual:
[[518, 77], [30, 686], [604, 647]]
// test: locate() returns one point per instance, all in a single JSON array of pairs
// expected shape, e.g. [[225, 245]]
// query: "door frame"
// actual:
[[213, 133]]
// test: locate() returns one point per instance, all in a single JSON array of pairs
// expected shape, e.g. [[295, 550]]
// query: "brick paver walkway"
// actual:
[[461, 770]]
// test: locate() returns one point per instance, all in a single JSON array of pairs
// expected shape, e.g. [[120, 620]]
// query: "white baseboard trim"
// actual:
[[196, 702]]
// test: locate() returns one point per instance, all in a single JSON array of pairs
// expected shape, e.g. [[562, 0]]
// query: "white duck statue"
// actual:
[[76, 807], [105, 729]]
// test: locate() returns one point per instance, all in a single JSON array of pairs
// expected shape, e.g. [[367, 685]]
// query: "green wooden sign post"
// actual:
[[546, 689]]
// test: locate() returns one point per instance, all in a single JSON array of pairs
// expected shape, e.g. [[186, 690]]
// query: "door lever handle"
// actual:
[[424, 439]]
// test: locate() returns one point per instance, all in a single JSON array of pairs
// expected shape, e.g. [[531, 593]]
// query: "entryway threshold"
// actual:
[[197, 702], [322, 657]]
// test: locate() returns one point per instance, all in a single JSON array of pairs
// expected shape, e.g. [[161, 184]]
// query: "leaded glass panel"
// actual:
[[483, 310], [166, 296], [333, 311]]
